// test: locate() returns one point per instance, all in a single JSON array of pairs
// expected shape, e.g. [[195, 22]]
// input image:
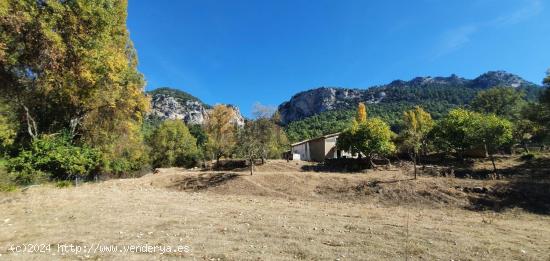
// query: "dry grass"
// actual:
[[281, 215]]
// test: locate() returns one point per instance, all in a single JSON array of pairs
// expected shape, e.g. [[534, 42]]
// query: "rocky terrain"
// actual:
[[167, 103], [453, 90]]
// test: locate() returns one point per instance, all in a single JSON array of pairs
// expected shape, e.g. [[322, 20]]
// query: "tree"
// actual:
[[504, 101], [221, 131], [262, 137], [173, 145], [361, 113], [493, 132], [417, 125], [249, 146], [371, 138], [524, 130], [455, 131], [374, 138], [70, 65]]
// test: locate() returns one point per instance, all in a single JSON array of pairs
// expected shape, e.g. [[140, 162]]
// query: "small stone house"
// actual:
[[316, 149]]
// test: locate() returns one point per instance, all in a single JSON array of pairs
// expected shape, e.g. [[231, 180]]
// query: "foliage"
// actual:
[[70, 65], [338, 120], [493, 132], [456, 131], [64, 184], [173, 145], [249, 146], [417, 124], [528, 156], [503, 101], [371, 138], [261, 138], [361, 113], [8, 127], [198, 132], [463, 129], [6, 182], [53, 157], [221, 131]]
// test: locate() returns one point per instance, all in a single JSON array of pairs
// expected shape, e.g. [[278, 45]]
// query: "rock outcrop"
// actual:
[[167, 103]]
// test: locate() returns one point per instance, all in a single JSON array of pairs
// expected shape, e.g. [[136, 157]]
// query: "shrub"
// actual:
[[173, 145], [64, 184], [528, 156], [53, 157]]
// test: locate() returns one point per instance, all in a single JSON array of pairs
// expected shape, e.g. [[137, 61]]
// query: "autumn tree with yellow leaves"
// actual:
[[71, 66], [221, 131], [417, 123]]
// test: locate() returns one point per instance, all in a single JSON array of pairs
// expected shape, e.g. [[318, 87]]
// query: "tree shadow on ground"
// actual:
[[528, 188], [348, 165], [202, 181]]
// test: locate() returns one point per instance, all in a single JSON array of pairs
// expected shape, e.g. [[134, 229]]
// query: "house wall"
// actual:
[[330, 148], [303, 150], [317, 150]]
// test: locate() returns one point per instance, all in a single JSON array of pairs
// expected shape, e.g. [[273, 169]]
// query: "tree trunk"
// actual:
[[415, 167], [413, 157], [494, 165], [525, 147], [251, 166], [372, 165]]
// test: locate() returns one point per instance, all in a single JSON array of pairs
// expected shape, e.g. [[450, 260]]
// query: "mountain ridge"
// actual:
[[453, 89]]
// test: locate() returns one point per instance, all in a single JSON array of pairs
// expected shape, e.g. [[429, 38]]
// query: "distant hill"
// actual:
[[327, 109], [170, 103]]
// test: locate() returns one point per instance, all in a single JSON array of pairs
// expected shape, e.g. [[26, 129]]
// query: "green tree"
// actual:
[[455, 131], [70, 65], [417, 124], [493, 132], [504, 101], [371, 138], [173, 145]]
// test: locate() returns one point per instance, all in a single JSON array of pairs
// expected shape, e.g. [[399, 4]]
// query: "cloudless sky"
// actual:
[[247, 51]]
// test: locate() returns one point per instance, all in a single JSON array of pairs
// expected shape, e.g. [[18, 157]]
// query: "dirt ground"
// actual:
[[280, 213]]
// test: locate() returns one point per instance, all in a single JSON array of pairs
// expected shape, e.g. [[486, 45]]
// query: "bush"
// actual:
[[53, 157], [64, 184], [528, 156]]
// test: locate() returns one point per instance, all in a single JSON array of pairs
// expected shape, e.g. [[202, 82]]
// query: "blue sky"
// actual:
[[247, 51]]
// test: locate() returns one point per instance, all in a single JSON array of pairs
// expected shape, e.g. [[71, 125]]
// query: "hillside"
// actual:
[[327, 109], [280, 213]]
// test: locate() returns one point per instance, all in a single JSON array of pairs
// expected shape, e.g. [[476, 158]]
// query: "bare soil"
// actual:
[[279, 213]]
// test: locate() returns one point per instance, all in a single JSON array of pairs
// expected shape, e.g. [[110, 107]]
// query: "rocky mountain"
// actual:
[[168, 103], [449, 91]]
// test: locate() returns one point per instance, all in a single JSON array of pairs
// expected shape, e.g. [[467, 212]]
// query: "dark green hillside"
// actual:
[[337, 120]]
